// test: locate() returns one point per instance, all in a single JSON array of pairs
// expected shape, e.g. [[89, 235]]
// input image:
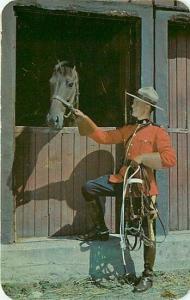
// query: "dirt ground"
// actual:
[[166, 286]]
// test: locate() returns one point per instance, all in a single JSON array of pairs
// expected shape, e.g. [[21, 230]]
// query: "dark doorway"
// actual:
[[105, 51]]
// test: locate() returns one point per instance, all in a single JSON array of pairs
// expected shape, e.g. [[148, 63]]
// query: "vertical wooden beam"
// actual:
[[181, 122], [18, 176], [54, 183], [172, 69], [8, 70], [79, 177], [29, 161], [161, 79], [42, 185], [67, 197], [188, 126], [147, 48]]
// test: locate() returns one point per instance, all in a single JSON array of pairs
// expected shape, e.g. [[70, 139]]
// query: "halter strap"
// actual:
[[67, 104]]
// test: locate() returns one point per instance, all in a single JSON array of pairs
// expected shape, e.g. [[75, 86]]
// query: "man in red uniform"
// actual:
[[145, 143]]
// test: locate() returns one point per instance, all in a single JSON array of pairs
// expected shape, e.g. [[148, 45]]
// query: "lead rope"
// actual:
[[138, 232], [126, 183]]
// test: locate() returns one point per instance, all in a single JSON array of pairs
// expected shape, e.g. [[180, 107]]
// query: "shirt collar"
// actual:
[[143, 121]]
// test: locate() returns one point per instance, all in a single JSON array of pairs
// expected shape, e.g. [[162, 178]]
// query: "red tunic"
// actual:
[[149, 139]]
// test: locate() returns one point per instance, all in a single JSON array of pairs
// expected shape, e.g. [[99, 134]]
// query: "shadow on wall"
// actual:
[[56, 201]]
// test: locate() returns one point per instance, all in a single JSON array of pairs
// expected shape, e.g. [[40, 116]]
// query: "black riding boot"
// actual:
[[146, 280], [100, 231]]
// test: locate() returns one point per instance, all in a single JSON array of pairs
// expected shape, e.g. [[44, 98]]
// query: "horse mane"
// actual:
[[62, 66]]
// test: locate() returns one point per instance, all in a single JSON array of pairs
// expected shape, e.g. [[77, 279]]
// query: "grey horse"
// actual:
[[64, 87]]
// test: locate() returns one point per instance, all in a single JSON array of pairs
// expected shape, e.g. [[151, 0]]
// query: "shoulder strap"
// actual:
[[140, 128]]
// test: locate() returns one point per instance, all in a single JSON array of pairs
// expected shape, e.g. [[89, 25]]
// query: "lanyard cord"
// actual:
[[127, 182], [130, 141]]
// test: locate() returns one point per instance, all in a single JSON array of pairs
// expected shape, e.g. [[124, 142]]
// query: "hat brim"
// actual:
[[140, 99]]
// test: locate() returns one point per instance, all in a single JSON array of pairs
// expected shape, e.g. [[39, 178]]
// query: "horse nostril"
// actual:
[[57, 120]]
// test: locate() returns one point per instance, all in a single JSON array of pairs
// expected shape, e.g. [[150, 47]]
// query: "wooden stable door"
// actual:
[[179, 120], [49, 170]]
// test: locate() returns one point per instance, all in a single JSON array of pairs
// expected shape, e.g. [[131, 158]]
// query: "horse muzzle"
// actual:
[[56, 122]]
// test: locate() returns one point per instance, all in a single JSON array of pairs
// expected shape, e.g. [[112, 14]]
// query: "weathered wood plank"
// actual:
[[41, 195], [173, 192], [173, 79], [79, 173], [55, 183], [182, 123], [181, 78], [161, 84], [67, 184], [182, 181], [29, 159], [92, 159], [18, 170], [188, 183], [188, 79], [188, 125]]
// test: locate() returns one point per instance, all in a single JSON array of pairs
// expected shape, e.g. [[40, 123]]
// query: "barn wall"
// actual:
[[8, 83], [163, 78], [49, 171]]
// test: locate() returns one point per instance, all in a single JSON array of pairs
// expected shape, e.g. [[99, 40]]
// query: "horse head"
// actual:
[[64, 87]]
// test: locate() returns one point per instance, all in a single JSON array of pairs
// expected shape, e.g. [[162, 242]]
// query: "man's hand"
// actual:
[[151, 160], [79, 113], [85, 125], [138, 159]]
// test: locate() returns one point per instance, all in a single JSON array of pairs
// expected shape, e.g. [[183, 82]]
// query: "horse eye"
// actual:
[[70, 84]]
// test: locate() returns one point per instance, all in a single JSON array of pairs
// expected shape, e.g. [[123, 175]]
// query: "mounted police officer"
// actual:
[[145, 144]]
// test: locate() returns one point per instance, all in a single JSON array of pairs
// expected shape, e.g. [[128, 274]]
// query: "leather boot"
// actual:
[[100, 231], [144, 284], [149, 259], [146, 280]]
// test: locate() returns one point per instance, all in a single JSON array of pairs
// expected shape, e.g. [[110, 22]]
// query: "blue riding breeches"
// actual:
[[101, 186]]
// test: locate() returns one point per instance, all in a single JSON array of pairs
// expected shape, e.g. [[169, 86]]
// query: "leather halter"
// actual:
[[66, 102]]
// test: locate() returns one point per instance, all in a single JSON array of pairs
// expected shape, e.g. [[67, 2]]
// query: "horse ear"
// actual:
[[74, 68]]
